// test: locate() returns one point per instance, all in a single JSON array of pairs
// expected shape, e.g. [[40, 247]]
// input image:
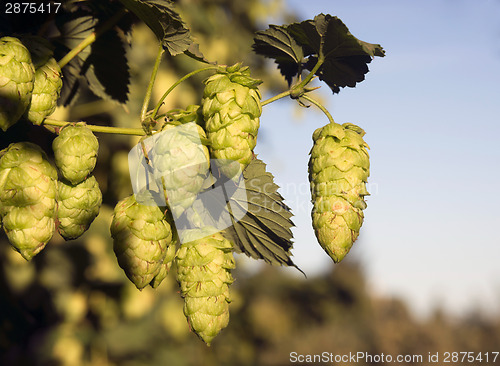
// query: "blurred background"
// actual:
[[423, 276]]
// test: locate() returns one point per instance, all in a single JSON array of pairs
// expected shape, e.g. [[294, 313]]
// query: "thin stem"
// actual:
[[185, 77], [320, 106], [91, 38], [276, 97], [94, 128], [310, 76], [149, 91]]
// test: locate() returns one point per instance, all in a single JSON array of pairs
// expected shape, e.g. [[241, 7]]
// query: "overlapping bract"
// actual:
[[77, 206], [27, 197], [203, 272], [47, 82], [181, 161], [142, 238], [231, 110], [338, 171], [75, 152], [16, 80]]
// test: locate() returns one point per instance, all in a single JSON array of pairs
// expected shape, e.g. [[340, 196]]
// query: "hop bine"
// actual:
[[338, 171], [231, 110], [27, 197], [143, 241], [203, 273], [16, 80]]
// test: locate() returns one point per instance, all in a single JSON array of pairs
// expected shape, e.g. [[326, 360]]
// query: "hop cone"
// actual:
[[338, 171], [77, 206], [27, 197], [16, 80], [75, 152], [203, 272], [182, 162], [48, 82], [231, 109], [141, 240]]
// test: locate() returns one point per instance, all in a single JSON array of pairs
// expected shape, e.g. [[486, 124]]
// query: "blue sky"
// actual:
[[431, 112]]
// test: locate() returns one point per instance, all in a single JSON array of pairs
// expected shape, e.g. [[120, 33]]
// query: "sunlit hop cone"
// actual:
[[48, 82], [75, 152], [16, 80], [165, 266], [203, 272], [77, 206], [141, 240], [27, 197], [181, 162], [231, 109], [338, 171]]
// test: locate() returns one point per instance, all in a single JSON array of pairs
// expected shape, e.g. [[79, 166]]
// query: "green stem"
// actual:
[[185, 77], [320, 106], [276, 97], [94, 128], [91, 38], [149, 91]]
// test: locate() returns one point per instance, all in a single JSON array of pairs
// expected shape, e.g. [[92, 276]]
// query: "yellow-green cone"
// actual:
[[141, 240], [47, 83], [75, 152], [27, 197], [231, 110], [16, 80], [77, 206], [204, 275], [338, 171]]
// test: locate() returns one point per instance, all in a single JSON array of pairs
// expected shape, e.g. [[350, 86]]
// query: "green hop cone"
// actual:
[[27, 197], [231, 110], [48, 82], [141, 240], [75, 152], [203, 273], [16, 80], [77, 206], [182, 163], [338, 171]]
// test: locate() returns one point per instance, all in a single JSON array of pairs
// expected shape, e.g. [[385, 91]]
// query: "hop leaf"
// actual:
[[231, 109], [48, 82], [75, 152], [77, 206], [141, 240], [338, 171], [27, 197], [203, 272], [16, 80]]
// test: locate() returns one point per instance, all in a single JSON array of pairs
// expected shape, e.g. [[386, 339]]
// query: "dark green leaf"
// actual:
[[345, 57], [264, 232], [108, 74], [194, 52], [278, 44], [164, 21]]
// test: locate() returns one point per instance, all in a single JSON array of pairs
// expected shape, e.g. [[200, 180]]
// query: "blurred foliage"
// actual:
[[72, 304]]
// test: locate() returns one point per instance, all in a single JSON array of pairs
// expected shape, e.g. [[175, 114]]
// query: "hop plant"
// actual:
[[16, 80], [27, 197], [181, 162], [77, 206], [338, 172], [47, 82], [231, 110], [142, 238], [203, 273], [75, 152]]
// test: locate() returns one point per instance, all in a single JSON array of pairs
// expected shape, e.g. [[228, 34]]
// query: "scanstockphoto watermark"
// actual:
[[354, 358]]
